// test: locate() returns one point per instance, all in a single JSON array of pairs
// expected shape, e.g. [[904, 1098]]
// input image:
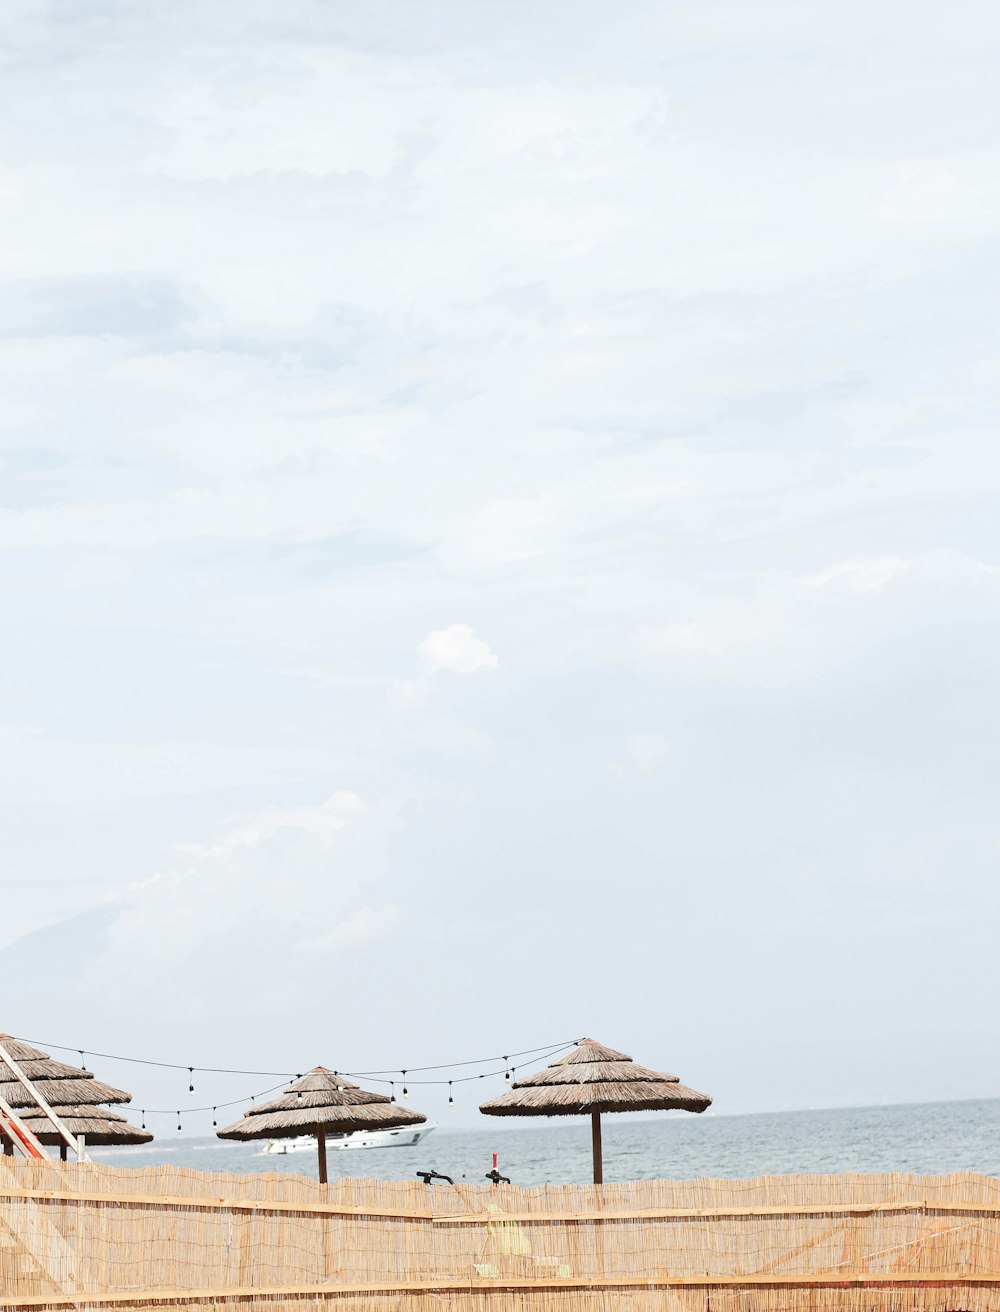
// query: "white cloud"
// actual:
[[252, 918], [36, 768], [861, 575], [774, 626], [360, 927], [648, 750], [457, 649]]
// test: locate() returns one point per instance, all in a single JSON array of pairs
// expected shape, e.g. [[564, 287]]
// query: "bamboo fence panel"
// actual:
[[79, 1235]]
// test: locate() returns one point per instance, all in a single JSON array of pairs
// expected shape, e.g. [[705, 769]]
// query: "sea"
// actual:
[[920, 1138]]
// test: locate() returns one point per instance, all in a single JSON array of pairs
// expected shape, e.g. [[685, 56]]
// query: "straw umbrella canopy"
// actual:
[[595, 1079], [321, 1103], [99, 1127], [74, 1095]]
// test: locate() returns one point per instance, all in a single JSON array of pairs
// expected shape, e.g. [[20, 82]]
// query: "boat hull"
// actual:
[[407, 1136]]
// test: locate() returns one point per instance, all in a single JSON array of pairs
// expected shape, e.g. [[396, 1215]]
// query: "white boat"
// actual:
[[406, 1136]]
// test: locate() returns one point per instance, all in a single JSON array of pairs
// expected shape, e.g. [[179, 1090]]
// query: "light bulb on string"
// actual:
[[451, 1100], [214, 1121], [144, 1119], [392, 1091], [83, 1064], [178, 1122], [191, 1081], [506, 1073], [406, 1092]]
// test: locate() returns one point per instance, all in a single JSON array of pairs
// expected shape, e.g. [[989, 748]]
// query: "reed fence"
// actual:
[[79, 1235]]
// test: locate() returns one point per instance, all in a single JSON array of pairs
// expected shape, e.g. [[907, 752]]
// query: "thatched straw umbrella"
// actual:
[[73, 1094], [321, 1103], [100, 1128], [595, 1079]]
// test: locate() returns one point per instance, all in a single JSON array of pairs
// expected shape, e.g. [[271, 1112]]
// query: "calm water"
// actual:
[[924, 1138]]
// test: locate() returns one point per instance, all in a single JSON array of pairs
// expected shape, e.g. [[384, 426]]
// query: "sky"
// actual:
[[499, 539]]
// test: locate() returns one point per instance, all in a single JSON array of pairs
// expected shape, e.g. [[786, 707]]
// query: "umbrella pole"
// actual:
[[321, 1154], [595, 1135]]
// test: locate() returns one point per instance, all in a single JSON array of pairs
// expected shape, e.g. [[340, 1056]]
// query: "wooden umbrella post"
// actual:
[[595, 1134], [321, 1153]]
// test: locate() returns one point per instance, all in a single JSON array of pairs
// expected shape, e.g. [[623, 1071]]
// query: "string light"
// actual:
[[450, 1083], [547, 1049], [252, 1098], [539, 1054], [233, 1102]]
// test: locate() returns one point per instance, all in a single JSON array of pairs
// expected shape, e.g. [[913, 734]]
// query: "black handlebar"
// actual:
[[494, 1175]]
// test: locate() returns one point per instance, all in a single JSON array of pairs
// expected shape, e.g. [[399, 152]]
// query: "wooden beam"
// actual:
[[595, 1141], [479, 1218], [211, 1204], [454, 1285], [321, 1154], [721, 1213], [18, 1133]]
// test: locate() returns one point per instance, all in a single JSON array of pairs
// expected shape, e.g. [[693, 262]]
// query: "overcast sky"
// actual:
[[499, 537]]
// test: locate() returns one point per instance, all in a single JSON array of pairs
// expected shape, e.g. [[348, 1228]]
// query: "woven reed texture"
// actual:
[[87, 1236]]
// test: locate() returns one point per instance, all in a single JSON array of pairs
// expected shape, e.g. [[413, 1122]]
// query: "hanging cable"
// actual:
[[546, 1050], [213, 1107]]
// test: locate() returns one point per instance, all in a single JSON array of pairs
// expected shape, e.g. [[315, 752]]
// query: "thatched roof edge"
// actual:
[[575, 1099], [310, 1120], [99, 1128]]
